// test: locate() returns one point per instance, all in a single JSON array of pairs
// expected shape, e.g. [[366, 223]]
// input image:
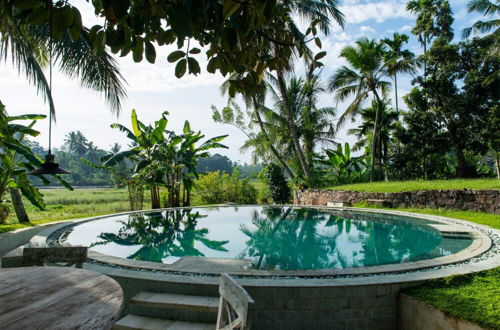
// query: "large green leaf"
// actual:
[[120, 156], [135, 124], [23, 150], [21, 129], [26, 117], [180, 68], [29, 191], [129, 133]]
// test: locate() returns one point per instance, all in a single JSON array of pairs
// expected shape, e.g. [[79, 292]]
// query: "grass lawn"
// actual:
[[488, 219], [473, 297], [79, 203], [398, 186]]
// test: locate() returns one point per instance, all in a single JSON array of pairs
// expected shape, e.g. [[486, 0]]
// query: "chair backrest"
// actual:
[[50, 256], [233, 305]]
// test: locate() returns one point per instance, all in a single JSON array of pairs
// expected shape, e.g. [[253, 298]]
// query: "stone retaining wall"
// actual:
[[466, 199], [417, 315]]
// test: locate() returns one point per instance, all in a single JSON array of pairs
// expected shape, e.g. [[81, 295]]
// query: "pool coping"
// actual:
[[480, 244]]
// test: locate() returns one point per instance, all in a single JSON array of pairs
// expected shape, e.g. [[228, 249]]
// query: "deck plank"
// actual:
[[57, 298]]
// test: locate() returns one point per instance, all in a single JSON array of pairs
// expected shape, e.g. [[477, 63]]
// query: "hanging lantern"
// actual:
[[49, 166]]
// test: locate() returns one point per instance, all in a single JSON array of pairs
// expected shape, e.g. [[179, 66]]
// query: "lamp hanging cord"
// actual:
[[50, 76]]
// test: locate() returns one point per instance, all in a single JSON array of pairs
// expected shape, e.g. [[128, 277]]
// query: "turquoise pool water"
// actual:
[[286, 238]]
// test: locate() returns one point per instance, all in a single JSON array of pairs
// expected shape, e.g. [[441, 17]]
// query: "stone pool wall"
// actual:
[[466, 199], [318, 304]]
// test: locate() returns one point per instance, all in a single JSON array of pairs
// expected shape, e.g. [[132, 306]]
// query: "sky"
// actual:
[[153, 88]]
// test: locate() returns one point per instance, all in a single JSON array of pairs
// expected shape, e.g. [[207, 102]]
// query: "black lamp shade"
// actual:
[[49, 167]]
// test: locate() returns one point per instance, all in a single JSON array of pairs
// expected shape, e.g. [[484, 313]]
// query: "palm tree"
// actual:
[[365, 76], [389, 122], [425, 26], [322, 12], [399, 60], [28, 47], [487, 8], [314, 125], [76, 143]]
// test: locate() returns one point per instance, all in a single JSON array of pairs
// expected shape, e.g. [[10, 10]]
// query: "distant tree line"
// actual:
[[78, 151]]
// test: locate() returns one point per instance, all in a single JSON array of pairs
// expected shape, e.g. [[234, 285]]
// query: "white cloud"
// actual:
[[378, 11], [366, 29], [405, 28]]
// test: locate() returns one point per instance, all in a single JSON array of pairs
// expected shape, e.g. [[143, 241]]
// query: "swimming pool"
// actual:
[[269, 237]]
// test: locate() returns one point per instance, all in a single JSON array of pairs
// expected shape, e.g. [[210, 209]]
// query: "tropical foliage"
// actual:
[[279, 191], [342, 167], [16, 160], [237, 37], [216, 188], [163, 158]]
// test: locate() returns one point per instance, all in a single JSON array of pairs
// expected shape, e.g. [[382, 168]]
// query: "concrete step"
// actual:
[[136, 322], [176, 301]]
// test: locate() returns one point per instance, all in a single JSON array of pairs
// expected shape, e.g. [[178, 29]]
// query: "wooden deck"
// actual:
[[57, 298]]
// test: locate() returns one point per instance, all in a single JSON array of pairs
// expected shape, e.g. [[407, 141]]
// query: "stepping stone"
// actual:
[[136, 322], [176, 301]]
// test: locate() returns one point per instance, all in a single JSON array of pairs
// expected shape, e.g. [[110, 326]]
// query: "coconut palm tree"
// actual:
[[399, 60], [76, 142], [487, 8], [28, 47], [389, 122], [323, 12], [314, 124], [365, 76]]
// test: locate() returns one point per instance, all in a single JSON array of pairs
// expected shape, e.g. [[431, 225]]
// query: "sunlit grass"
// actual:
[[398, 186], [472, 297]]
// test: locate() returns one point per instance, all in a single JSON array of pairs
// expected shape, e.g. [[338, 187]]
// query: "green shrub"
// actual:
[[214, 188], [279, 190]]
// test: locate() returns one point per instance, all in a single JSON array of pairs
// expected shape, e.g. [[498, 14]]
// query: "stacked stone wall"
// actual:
[[466, 199]]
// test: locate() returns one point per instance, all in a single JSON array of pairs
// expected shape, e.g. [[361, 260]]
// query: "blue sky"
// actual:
[[153, 89]]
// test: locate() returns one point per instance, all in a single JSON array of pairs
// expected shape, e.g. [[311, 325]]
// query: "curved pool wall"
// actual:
[[328, 301]]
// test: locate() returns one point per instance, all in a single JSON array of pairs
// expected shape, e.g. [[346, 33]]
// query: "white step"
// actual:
[[136, 322], [177, 301]]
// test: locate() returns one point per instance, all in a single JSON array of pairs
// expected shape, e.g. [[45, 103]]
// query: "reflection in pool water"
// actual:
[[286, 238]]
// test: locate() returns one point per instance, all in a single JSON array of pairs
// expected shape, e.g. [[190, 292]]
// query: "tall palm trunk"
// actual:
[[271, 146], [293, 130], [17, 203], [375, 134], [396, 90]]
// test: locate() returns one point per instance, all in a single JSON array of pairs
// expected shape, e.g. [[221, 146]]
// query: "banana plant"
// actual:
[[16, 160], [341, 167], [163, 158]]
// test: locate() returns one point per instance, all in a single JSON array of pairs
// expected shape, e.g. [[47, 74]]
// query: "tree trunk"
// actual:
[[155, 197], [497, 163], [188, 198], [273, 149], [396, 91], [293, 129], [461, 171], [375, 136], [17, 203], [425, 58]]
